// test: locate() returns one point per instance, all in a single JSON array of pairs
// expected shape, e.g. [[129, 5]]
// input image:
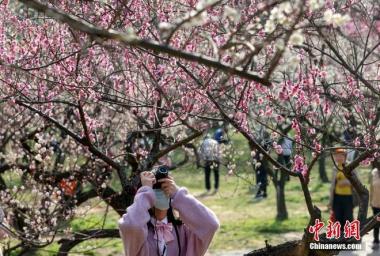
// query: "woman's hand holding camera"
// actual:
[[168, 186], [147, 179]]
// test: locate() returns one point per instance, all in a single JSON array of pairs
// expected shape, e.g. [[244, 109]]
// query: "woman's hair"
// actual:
[[170, 216], [171, 219]]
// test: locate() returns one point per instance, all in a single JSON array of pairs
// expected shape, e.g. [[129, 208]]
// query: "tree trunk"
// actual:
[[282, 212], [292, 248], [322, 169], [68, 244]]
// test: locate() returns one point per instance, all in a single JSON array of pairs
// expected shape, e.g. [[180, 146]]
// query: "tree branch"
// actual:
[[68, 244], [134, 41]]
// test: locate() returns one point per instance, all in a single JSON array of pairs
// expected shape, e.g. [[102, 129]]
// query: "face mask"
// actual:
[[162, 202]]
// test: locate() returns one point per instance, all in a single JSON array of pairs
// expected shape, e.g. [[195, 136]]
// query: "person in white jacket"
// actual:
[[209, 153]]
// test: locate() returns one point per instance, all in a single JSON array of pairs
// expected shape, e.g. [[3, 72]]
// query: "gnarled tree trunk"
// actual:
[[282, 212]]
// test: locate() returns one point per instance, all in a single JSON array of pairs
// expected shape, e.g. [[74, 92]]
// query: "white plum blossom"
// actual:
[[231, 13], [202, 4], [196, 18], [280, 44], [165, 26], [269, 26], [293, 62], [38, 157], [37, 146], [340, 20], [276, 14], [316, 4], [279, 15], [335, 19], [130, 34], [286, 7], [328, 16], [296, 38]]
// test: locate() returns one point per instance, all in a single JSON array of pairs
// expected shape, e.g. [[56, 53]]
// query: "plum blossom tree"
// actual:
[[95, 91]]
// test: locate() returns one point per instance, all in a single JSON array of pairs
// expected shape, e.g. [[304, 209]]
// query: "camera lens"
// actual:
[[160, 173], [163, 170]]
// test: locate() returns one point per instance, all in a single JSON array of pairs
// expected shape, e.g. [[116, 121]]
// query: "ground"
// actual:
[[366, 248]]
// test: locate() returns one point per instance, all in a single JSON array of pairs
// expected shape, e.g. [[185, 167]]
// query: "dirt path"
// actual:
[[366, 248]]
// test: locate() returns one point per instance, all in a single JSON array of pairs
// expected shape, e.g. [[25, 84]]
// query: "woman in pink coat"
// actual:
[[150, 229]]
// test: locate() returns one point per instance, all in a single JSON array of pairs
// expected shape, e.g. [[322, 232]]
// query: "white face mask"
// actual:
[[162, 201]]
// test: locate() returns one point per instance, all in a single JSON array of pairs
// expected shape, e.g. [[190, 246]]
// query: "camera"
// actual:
[[160, 173]]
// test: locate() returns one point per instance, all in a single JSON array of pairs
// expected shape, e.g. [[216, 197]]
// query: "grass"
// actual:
[[245, 223]]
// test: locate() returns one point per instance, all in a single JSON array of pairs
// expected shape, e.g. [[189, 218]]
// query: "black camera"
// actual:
[[160, 173]]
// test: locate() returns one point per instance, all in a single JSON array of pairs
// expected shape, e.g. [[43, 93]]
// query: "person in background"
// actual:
[[287, 147], [220, 137], [374, 198], [349, 136], [261, 176], [285, 157], [149, 227], [341, 191], [209, 153], [261, 164]]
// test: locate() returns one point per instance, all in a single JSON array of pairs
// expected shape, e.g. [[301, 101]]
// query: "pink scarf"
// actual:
[[164, 231]]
